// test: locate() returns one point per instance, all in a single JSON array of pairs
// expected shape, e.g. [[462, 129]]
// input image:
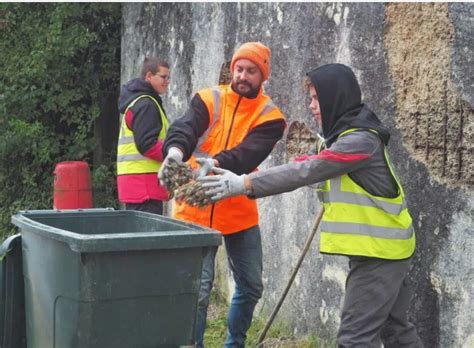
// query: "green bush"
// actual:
[[57, 62]]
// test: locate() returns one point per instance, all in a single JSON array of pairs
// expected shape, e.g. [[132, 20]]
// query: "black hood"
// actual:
[[340, 103], [133, 89]]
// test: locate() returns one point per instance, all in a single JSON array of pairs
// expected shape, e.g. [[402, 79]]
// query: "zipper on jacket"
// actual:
[[232, 122], [212, 214], [225, 148]]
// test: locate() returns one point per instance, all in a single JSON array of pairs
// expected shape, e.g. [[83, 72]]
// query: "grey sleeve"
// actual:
[[348, 154]]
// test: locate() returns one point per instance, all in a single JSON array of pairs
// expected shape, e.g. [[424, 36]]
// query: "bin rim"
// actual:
[[193, 236], [7, 245]]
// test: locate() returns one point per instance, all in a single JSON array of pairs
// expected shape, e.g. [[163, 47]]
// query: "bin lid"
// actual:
[[102, 230]]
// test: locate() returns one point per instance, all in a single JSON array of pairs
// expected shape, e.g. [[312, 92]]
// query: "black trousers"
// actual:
[[375, 305], [150, 206]]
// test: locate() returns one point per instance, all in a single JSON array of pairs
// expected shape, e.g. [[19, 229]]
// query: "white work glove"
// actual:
[[225, 184], [205, 167], [174, 154]]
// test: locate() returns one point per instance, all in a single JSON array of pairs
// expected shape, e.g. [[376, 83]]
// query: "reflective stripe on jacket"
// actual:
[[358, 223], [129, 159], [231, 118]]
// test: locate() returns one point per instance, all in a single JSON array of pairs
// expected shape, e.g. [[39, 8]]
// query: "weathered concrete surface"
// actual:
[[431, 113], [197, 38], [462, 17]]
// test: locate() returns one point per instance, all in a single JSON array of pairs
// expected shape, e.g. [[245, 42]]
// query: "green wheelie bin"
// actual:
[[110, 278], [12, 296]]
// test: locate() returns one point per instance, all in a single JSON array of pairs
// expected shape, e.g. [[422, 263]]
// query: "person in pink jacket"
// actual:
[[143, 128]]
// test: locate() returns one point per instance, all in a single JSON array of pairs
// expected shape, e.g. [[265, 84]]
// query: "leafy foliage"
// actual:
[[58, 62]]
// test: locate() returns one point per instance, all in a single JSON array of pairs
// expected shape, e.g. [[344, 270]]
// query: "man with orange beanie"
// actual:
[[234, 127]]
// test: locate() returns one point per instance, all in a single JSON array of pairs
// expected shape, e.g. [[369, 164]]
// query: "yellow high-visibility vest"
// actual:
[[356, 222], [129, 159]]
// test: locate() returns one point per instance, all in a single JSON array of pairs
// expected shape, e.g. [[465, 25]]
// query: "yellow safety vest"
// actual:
[[129, 159], [356, 222]]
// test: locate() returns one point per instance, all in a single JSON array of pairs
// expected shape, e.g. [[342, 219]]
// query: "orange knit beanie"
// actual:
[[257, 53]]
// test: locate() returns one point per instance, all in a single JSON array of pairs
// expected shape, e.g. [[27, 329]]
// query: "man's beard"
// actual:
[[251, 93]]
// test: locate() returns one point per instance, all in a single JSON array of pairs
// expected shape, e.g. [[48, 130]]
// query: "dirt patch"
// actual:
[[214, 311], [283, 342], [437, 125]]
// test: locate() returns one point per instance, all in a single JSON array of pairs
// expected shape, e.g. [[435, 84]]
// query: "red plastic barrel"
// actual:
[[72, 185]]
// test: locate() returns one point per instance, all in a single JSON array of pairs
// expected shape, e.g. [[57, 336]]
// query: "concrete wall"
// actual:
[[414, 63]]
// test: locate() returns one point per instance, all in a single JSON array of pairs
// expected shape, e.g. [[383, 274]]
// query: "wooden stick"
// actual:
[[317, 221]]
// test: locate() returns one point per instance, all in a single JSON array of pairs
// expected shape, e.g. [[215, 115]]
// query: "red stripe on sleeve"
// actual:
[[328, 155]]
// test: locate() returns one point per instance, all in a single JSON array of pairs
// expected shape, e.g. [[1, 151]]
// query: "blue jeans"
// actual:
[[244, 255]]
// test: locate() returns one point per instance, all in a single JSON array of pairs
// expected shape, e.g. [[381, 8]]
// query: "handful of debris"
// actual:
[[193, 194], [176, 175], [300, 140], [178, 180]]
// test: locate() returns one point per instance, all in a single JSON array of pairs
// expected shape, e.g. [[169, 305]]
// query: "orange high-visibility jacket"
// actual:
[[231, 118]]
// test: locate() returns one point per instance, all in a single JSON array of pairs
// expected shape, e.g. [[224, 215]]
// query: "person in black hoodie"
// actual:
[[143, 129], [365, 213]]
